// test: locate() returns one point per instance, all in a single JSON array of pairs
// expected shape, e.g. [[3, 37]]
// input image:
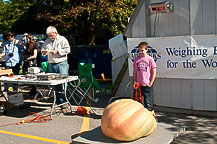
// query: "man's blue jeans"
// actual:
[[146, 96], [61, 68]]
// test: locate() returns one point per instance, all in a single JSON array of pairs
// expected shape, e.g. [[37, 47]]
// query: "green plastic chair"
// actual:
[[86, 86], [86, 76]]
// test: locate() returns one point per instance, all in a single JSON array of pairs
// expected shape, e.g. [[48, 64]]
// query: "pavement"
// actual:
[[196, 128], [173, 127]]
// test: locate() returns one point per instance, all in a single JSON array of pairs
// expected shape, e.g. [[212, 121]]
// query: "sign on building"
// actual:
[[187, 57]]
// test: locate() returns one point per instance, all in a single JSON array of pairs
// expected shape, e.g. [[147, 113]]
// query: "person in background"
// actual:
[[40, 58], [56, 47], [144, 73], [13, 52], [29, 55]]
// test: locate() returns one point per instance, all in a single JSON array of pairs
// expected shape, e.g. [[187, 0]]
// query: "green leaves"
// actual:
[[69, 16]]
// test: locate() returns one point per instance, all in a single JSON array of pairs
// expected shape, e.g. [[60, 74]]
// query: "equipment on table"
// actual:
[[50, 76], [33, 70], [47, 76]]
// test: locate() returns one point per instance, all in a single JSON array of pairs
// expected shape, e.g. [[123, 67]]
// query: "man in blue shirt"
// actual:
[[13, 51]]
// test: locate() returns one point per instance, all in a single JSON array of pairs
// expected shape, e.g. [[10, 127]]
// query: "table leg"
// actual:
[[53, 106], [37, 93], [67, 100], [65, 94]]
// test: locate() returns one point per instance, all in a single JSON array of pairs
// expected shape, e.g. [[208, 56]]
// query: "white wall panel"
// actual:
[[210, 95], [153, 24], [183, 15], [186, 90], [116, 67], [198, 96], [176, 94], [166, 92], [141, 22], [209, 16], [135, 28], [196, 17], [124, 90], [215, 7], [157, 99], [154, 21], [173, 20], [163, 25]]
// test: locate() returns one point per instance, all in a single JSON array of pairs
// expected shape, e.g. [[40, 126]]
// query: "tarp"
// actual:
[[187, 57], [98, 55]]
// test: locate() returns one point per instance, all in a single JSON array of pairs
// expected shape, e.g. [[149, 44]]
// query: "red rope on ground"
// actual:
[[39, 118]]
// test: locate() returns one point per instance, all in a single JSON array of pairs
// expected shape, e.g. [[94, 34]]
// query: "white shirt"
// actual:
[[16, 49], [60, 44]]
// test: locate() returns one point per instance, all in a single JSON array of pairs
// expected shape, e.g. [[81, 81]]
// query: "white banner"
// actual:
[[187, 57]]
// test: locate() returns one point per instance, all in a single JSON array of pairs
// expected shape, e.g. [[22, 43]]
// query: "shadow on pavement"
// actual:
[[20, 113], [94, 135], [198, 129], [30, 105]]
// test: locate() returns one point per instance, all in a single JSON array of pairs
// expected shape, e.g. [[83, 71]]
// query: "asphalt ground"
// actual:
[[71, 128]]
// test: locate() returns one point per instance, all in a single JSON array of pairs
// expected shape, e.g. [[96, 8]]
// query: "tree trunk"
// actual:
[[91, 34]]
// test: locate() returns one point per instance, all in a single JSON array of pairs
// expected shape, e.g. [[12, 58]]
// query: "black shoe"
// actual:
[[65, 108]]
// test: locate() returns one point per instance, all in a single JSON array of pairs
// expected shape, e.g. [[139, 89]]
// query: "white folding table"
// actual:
[[29, 81]]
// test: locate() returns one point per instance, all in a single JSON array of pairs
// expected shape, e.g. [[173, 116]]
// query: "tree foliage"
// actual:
[[83, 18], [11, 12]]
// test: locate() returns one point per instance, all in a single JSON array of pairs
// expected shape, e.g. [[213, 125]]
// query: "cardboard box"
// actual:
[[6, 72]]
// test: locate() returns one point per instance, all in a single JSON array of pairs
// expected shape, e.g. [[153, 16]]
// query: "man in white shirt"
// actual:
[[56, 47]]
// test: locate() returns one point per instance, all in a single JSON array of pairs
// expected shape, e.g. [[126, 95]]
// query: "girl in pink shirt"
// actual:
[[144, 73]]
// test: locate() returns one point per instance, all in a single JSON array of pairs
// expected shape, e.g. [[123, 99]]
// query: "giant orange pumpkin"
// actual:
[[127, 120]]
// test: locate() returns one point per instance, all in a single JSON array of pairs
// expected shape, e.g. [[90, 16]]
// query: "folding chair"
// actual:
[[85, 87]]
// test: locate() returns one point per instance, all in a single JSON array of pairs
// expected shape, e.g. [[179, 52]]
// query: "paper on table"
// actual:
[[10, 78]]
